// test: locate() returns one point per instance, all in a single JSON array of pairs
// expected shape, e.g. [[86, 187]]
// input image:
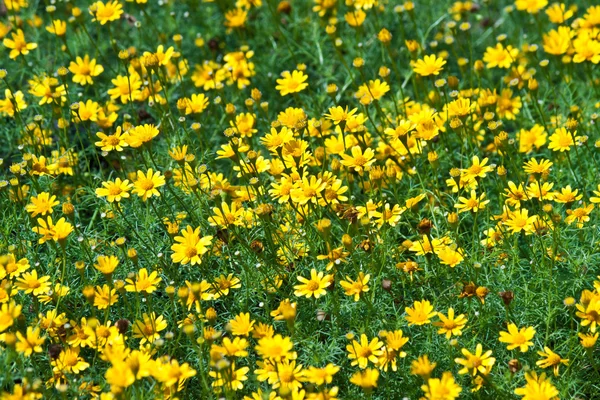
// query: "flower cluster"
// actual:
[[299, 200]]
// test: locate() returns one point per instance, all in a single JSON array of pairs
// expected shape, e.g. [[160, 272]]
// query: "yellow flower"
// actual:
[[355, 18], [477, 362], [235, 18], [18, 45], [275, 348], [106, 264], [84, 69], [558, 13], [69, 361], [117, 141], [473, 203], [141, 134], [428, 65], [30, 342], [241, 325], [518, 338], [8, 313], [587, 340], [356, 288], [57, 27], [359, 161], [420, 313], [143, 282], [127, 88], [103, 13], [375, 90], [445, 388], [114, 190], [562, 140], [293, 82], [104, 297], [422, 367], [520, 220], [225, 215], [321, 376], [190, 246], [450, 325], [500, 56], [531, 6], [42, 204], [537, 387], [366, 379], [147, 329], [315, 286], [146, 184], [551, 359]]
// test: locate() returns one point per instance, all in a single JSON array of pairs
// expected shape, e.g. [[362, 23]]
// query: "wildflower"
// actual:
[[106, 264], [500, 56], [114, 190], [84, 69], [196, 104], [478, 362], [42, 204], [531, 6], [535, 167], [359, 161], [580, 215], [241, 325], [69, 361], [274, 348], [422, 366], [365, 351], [520, 220], [366, 379], [190, 246], [104, 297], [231, 377], [449, 256], [307, 190], [551, 359], [375, 90], [428, 65], [29, 343], [321, 376], [17, 45], [445, 388], [315, 286], [293, 82], [141, 134], [127, 88], [472, 203], [589, 312], [530, 138], [57, 27], [103, 13], [420, 313], [285, 311], [518, 338], [147, 183], [8, 313], [537, 387], [143, 282], [356, 288], [117, 141], [587, 340], [355, 18], [450, 325], [561, 140]]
